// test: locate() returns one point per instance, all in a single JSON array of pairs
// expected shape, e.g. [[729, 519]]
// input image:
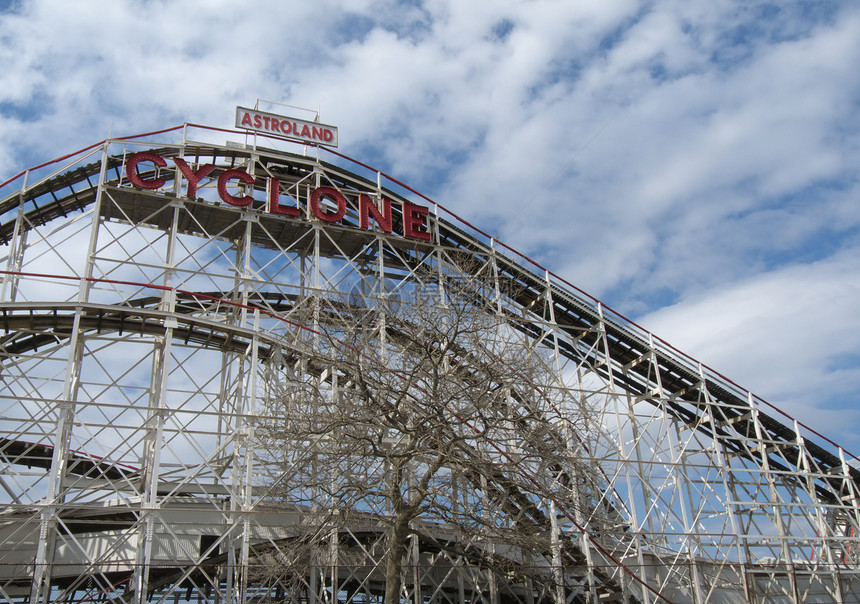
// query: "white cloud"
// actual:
[[784, 335]]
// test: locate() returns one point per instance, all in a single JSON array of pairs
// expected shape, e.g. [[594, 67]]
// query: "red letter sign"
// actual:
[[132, 174], [274, 205], [366, 208], [413, 221], [222, 187], [335, 196]]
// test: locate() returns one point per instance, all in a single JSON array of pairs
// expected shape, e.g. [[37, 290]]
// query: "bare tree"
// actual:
[[427, 410]]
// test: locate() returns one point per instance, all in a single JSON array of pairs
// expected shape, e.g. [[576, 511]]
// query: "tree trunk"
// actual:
[[394, 559]]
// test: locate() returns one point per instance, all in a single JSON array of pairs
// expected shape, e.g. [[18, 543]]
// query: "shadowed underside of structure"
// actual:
[[225, 377]]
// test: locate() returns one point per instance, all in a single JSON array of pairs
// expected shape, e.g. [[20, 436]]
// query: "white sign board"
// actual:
[[269, 123]]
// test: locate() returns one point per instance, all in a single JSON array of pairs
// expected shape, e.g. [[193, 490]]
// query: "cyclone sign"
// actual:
[[281, 125], [414, 223]]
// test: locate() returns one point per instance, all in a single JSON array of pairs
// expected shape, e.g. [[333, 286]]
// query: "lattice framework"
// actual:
[[147, 335]]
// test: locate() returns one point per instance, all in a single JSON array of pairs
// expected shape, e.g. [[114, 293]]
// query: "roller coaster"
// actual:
[[168, 303]]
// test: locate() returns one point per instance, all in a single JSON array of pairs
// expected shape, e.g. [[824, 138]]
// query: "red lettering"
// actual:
[[134, 177], [274, 125], [266, 121], [258, 121], [367, 208], [305, 131], [413, 221], [222, 187], [286, 128], [328, 135], [193, 177], [332, 194], [317, 133], [246, 120], [274, 206]]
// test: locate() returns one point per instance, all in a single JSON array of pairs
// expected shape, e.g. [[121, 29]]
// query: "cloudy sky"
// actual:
[[692, 164]]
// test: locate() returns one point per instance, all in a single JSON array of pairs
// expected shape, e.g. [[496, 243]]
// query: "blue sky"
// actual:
[[692, 164]]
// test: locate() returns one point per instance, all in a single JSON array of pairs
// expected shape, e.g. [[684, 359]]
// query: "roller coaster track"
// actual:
[[75, 190], [543, 307]]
